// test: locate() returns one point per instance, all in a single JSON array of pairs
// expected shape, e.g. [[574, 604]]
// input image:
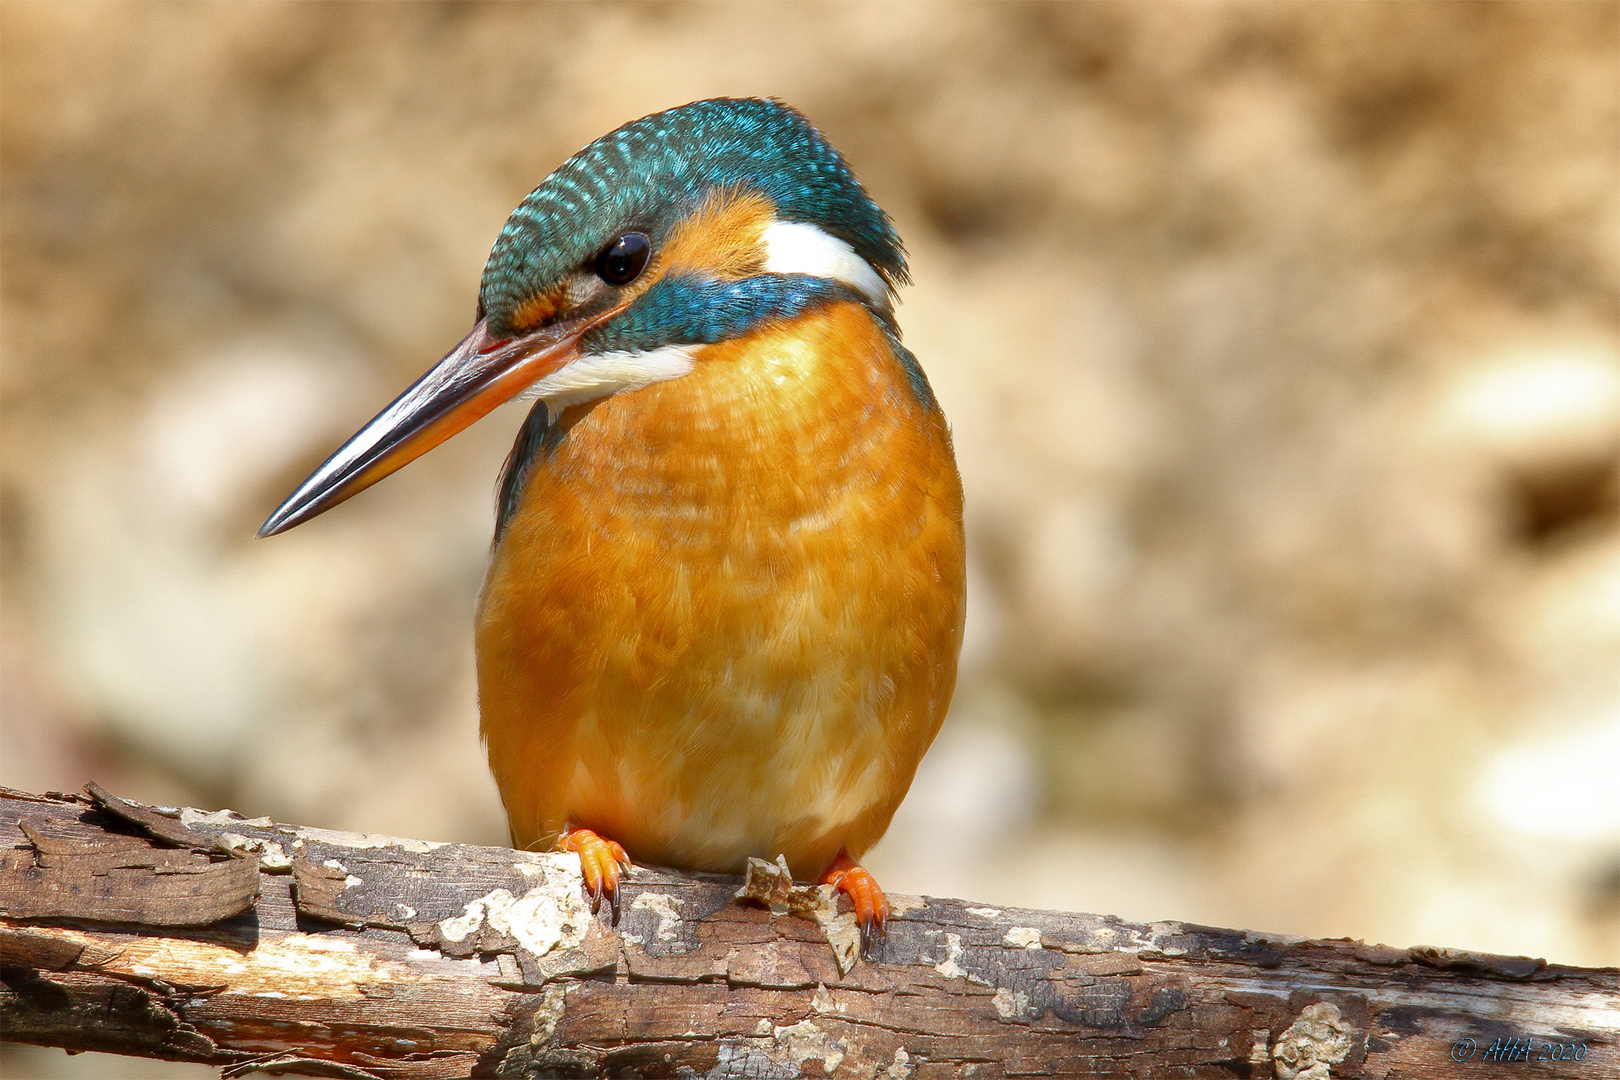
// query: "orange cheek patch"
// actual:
[[538, 308], [724, 238]]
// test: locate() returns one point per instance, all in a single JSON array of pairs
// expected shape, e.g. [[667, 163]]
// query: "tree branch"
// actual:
[[255, 946]]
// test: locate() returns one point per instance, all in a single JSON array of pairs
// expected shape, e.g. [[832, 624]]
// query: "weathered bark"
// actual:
[[242, 943]]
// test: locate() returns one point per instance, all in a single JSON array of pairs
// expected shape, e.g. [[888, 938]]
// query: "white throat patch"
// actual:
[[792, 247], [587, 377]]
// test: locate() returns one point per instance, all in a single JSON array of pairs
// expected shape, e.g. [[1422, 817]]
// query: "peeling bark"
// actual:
[[256, 946]]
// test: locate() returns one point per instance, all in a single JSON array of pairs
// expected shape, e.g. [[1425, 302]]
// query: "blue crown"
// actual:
[[654, 171]]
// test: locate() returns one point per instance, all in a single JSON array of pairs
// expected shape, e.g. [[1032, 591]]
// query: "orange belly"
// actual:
[[724, 620]]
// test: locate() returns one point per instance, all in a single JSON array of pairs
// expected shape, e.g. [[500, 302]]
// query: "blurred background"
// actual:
[[1281, 345]]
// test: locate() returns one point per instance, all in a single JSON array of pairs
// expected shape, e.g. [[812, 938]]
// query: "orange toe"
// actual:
[[871, 906], [601, 861]]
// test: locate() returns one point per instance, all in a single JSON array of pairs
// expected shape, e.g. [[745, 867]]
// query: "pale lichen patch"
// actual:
[[746, 1057], [901, 905], [456, 928], [367, 840], [949, 967], [805, 1041], [984, 912], [1022, 937], [1010, 1004], [189, 816], [1153, 940], [1319, 1039], [662, 905], [902, 1068], [546, 1018], [272, 857], [542, 863], [548, 916], [349, 880]]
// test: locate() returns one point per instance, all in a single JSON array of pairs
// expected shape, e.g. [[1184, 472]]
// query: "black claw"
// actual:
[[872, 937], [596, 897], [613, 902]]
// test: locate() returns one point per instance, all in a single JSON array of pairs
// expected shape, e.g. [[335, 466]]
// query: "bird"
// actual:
[[725, 597]]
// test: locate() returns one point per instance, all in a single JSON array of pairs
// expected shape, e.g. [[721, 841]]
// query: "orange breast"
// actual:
[[724, 620]]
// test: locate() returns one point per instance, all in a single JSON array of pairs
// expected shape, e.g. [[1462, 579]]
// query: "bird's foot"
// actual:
[[601, 861], [871, 906]]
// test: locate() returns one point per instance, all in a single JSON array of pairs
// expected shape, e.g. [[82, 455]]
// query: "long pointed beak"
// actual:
[[476, 376]]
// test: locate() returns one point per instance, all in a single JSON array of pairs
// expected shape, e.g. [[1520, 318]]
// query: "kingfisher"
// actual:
[[724, 601]]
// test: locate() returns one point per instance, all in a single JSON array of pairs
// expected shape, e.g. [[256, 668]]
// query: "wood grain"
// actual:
[[366, 956]]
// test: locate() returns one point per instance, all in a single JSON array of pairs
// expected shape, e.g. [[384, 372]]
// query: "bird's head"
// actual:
[[678, 230]]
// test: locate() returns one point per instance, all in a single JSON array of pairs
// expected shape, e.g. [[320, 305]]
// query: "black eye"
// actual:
[[623, 259]]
